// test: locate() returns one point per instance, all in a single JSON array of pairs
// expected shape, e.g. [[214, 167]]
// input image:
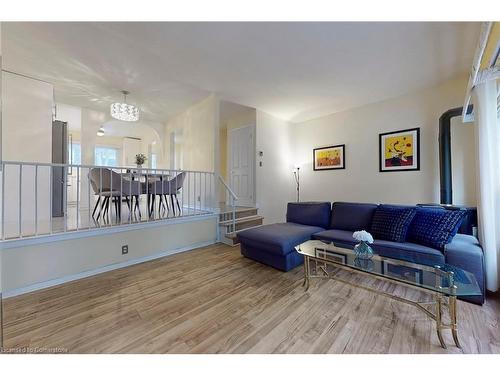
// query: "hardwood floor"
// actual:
[[212, 300]]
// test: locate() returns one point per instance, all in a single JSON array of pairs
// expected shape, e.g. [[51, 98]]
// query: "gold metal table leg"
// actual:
[[307, 270], [439, 323], [452, 300]]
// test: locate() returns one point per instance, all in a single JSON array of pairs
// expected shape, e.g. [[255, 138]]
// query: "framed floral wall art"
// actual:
[[400, 150]]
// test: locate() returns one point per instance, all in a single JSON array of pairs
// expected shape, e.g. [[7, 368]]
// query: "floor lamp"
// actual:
[[296, 174]]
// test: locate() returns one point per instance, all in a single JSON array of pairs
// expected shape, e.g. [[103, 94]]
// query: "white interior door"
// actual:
[[242, 164]]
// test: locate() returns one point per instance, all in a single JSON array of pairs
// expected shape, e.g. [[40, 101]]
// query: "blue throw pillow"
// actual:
[[391, 223], [434, 227]]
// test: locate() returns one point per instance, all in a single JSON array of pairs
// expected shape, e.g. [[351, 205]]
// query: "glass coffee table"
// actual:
[[443, 281]]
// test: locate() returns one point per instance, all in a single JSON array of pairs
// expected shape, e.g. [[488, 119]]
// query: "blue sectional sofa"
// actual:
[[274, 244]]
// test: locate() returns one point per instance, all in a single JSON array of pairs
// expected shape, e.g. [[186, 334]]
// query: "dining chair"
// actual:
[[166, 188], [110, 185]]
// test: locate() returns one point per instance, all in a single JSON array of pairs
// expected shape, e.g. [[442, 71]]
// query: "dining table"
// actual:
[[146, 178]]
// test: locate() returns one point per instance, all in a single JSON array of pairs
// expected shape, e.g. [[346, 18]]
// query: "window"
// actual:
[[75, 153], [107, 156], [153, 161]]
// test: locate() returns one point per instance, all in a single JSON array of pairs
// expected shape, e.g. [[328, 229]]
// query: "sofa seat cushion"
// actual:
[[352, 216], [408, 251], [316, 214], [397, 250], [337, 236], [278, 238], [435, 227], [391, 223]]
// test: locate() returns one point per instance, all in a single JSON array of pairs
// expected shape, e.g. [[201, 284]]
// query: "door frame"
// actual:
[[253, 146]]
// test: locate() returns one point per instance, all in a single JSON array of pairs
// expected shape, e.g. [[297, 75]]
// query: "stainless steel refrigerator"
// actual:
[[59, 174]]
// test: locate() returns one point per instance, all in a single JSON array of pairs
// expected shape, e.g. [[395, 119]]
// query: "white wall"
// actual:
[[91, 122], [463, 165], [359, 128], [131, 147], [26, 136], [274, 180], [70, 114], [26, 119], [32, 266], [197, 131]]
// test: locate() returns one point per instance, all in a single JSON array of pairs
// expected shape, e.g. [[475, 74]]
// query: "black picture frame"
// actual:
[[416, 147], [315, 168]]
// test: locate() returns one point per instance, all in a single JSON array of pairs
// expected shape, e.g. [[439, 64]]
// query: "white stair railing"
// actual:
[[114, 196], [233, 199]]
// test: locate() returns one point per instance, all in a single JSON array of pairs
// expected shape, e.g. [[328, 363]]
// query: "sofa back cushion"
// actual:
[[391, 223], [309, 213], [435, 227], [352, 216]]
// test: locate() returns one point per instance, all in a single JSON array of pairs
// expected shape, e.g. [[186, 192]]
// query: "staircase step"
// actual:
[[239, 213], [233, 238], [242, 223]]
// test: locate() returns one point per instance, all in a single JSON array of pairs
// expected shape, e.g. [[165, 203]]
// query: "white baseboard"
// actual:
[[111, 267]]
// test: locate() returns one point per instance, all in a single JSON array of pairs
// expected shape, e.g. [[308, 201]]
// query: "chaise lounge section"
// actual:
[[274, 244]]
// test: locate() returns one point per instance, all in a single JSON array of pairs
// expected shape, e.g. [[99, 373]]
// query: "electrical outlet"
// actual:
[[124, 249]]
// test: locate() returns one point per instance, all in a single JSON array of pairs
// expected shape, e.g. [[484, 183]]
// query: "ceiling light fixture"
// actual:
[[124, 111], [100, 132]]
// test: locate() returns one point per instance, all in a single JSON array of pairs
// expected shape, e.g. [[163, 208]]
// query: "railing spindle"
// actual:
[[20, 201], [36, 200], [77, 198], [4, 173], [88, 196], [65, 197], [51, 175]]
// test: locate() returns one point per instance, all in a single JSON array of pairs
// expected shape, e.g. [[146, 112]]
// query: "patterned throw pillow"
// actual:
[[435, 227], [391, 222]]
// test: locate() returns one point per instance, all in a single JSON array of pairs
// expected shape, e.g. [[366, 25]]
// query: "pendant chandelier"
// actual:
[[124, 111]]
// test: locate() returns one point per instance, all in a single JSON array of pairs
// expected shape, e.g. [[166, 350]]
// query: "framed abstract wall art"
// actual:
[[399, 150], [330, 157]]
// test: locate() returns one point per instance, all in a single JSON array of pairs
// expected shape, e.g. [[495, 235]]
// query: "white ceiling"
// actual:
[[295, 71]]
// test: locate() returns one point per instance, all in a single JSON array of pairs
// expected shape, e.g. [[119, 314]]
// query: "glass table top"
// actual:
[[443, 278]]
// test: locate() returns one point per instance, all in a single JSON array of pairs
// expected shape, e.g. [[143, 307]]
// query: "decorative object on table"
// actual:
[[330, 157], [124, 111], [399, 150], [296, 174], [364, 264], [399, 271], [140, 159], [362, 249]]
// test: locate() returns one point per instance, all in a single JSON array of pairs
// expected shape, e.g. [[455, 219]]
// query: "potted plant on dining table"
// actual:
[[140, 159]]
